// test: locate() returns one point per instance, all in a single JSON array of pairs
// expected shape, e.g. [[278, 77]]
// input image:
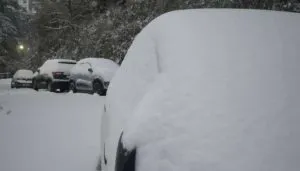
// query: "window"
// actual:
[[66, 62]]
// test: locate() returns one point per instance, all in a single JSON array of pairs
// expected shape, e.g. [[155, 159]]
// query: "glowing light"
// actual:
[[21, 47]]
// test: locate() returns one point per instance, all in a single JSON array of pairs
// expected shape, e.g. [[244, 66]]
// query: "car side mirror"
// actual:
[[90, 70]]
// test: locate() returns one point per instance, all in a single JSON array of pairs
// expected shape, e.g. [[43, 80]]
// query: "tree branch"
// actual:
[[55, 28]]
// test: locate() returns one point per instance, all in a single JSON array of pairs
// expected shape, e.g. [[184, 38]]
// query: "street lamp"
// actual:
[[21, 47]]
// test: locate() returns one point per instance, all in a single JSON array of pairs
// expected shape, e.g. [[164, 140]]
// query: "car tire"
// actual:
[[104, 92], [50, 87], [11, 86], [98, 87], [72, 87], [64, 89], [35, 85]]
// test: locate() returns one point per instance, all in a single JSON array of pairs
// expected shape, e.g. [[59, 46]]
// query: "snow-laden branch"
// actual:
[[55, 20], [56, 28], [7, 27]]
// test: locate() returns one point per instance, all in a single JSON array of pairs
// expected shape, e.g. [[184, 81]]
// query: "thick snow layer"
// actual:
[[102, 67], [214, 90], [42, 131], [23, 74], [125, 91], [4, 85], [57, 65]]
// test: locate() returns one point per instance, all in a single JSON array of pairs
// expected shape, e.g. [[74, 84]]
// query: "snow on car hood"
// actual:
[[24, 74], [225, 97]]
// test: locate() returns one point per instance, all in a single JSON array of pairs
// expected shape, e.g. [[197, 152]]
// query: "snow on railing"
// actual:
[[5, 75]]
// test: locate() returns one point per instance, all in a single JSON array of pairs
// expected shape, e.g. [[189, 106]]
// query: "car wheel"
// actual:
[[35, 85], [12, 86], [64, 89], [98, 88], [104, 92], [50, 87], [72, 87]]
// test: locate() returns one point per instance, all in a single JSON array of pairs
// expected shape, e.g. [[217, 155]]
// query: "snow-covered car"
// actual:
[[207, 90], [22, 78], [53, 74], [92, 75]]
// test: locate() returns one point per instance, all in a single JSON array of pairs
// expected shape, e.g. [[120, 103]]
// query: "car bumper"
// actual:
[[60, 80], [23, 84]]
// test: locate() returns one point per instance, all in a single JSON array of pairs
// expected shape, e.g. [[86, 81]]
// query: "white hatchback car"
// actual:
[[207, 90], [22, 78]]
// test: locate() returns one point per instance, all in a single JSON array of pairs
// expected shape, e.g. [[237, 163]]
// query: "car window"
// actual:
[[64, 66], [67, 62]]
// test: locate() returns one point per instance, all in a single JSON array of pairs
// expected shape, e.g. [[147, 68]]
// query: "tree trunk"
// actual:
[[70, 7]]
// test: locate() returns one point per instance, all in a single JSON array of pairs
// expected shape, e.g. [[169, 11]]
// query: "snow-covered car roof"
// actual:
[[210, 90], [101, 62], [61, 65], [106, 68], [23, 73]]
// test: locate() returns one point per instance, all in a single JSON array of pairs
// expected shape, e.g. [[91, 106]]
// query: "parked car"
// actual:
[[53, 74], [22, 78], [207, 95], [92, 75]]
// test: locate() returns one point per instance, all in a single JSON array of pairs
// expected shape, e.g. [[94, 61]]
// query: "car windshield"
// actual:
[[208, 85], [66, 62], [65, 65], [24, 73]]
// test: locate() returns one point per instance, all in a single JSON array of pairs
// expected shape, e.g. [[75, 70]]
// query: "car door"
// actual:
[[74, 75], [89, 76], [39, 77], [79, 76], [44, 72], [83, 77]]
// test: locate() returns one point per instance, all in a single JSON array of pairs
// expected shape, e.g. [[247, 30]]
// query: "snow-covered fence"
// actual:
[[5, 75]]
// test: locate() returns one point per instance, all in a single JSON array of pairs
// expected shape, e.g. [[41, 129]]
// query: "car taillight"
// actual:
[[57, 73]]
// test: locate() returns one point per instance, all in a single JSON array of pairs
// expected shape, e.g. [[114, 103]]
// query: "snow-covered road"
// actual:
[[42, 131]]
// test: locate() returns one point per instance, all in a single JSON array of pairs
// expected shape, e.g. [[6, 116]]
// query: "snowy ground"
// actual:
[[42, 131]]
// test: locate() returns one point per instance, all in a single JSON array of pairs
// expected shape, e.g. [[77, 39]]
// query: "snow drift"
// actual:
[[213, 90], [43, 131]]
